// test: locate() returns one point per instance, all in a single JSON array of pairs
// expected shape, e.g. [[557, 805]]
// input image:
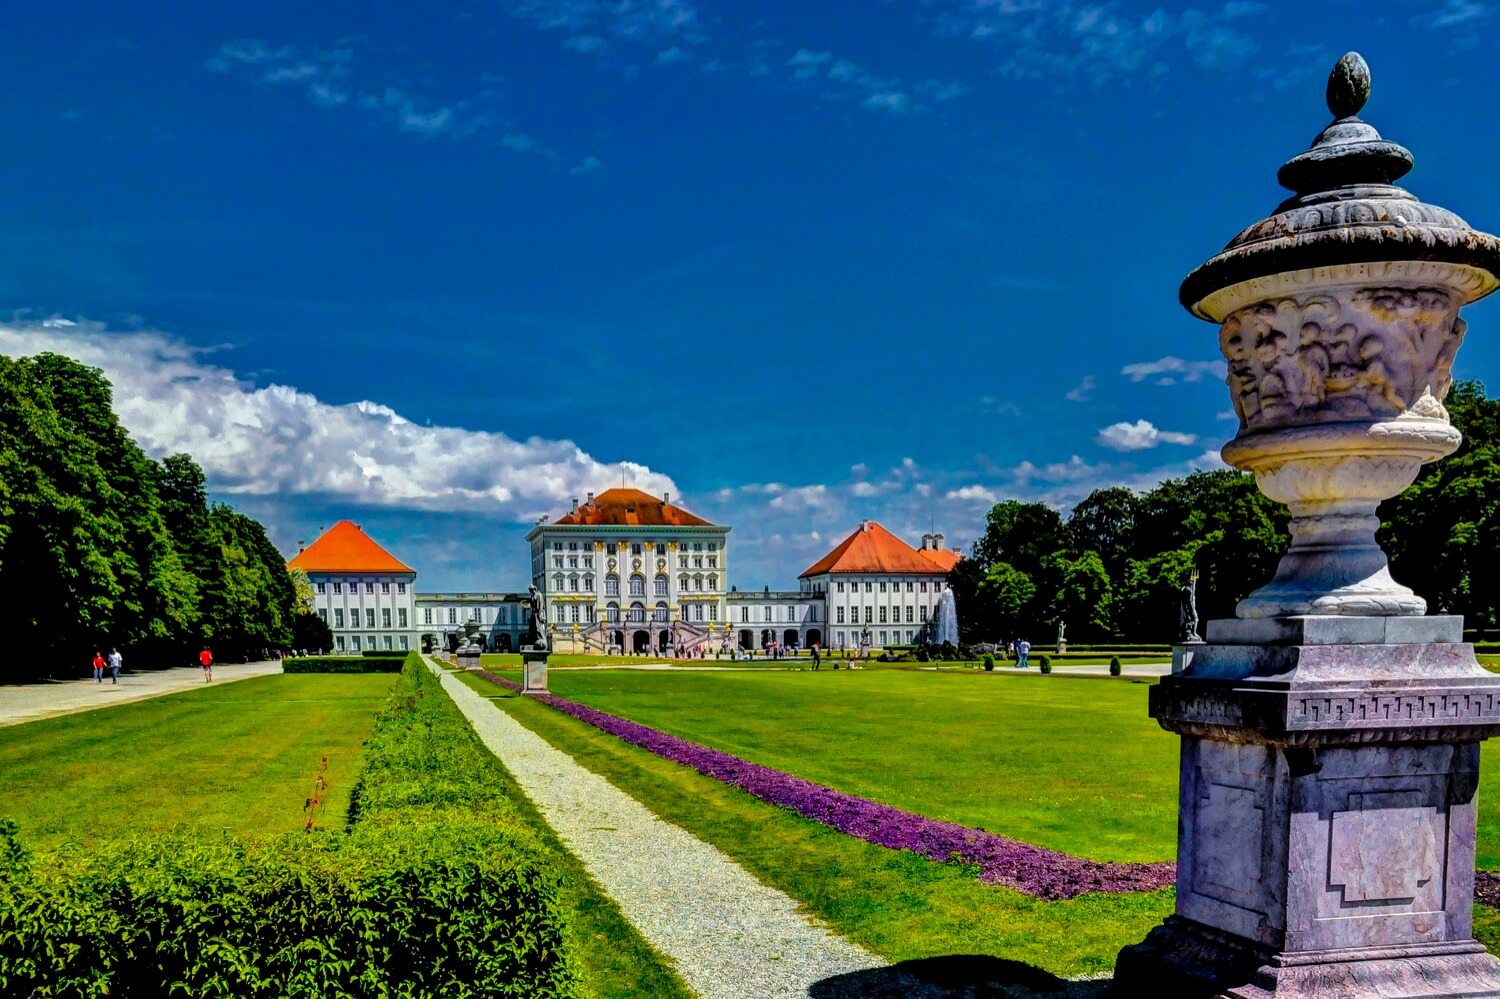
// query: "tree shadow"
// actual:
[[956, 976]]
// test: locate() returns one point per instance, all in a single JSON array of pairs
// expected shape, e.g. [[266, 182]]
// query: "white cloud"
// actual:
[[674, 54], [1140, 435], [1081, 391], [844, 79], [975, 494], [806, 63], [588, 164], [594, 26], [1169, 370], [276, 441]]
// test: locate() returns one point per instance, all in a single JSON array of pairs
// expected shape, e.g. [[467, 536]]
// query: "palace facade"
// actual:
[[626, 571]]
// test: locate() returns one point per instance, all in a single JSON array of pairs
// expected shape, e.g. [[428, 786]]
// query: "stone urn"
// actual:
[[1338, 317], [1330, 731]]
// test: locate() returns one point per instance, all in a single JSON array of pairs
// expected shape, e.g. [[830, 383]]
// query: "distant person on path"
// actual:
[[115, 659], [817, 658], [207, 659], [98, 667], [1023, 649]]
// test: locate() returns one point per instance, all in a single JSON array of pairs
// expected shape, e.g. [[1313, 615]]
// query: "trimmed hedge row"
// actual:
[[397, 653], [438, 888], [341, 664]]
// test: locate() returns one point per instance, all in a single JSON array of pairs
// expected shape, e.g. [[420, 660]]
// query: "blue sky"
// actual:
[[439, 267]]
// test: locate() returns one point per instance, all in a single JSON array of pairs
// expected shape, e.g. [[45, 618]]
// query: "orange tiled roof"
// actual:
[[345, 548], [944, 558], [871, 548], [631, 507]]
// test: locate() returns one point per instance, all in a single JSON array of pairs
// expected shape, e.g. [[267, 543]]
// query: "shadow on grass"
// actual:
[[955, 976]]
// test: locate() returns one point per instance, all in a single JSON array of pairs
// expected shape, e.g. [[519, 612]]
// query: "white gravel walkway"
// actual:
[[730, 935]]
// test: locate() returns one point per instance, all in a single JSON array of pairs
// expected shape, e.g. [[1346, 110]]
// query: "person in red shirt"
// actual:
[[207, 659], [98, 667]]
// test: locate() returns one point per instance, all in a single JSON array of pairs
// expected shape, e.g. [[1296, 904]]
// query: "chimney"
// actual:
[[575, 504], [666, 497], [864, 525], [937, 542], [591, 500], [926, 542], [301, 546]]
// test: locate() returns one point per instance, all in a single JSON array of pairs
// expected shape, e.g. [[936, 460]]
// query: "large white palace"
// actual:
[[629, 571]]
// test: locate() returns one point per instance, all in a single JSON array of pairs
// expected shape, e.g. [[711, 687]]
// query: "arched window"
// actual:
[[637, 585], [612, 612], [661, 585], [573, 582], [611, 585], [637, 612], [661, 612]]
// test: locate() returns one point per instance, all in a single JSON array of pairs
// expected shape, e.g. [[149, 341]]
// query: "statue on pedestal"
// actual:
[[1187, 632], [538, 617]]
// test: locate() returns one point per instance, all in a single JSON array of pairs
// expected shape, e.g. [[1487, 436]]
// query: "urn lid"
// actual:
[[1346, 209]]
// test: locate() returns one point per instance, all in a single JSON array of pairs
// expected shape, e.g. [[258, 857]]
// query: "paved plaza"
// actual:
[[41, 700]]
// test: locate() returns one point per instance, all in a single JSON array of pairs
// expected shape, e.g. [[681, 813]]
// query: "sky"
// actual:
[[441, 267]]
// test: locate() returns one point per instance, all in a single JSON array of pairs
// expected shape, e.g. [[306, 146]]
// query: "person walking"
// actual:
[[816, 657], [1023, 649], [98, 667], [115, 659], [206, 658]]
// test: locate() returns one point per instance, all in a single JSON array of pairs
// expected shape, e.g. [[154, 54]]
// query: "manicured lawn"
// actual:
[[899, 905], [1072, 765], [238, 756]]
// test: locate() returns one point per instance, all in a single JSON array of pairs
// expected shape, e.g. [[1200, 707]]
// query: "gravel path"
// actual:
[[730, 935]]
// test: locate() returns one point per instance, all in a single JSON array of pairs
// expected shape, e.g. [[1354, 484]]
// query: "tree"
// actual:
[[1020, 534], [1104, 522], [1081, 597], [1005, 596], [1148, 603]]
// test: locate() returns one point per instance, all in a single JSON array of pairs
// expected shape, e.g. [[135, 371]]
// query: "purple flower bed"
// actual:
[[1045, 874]]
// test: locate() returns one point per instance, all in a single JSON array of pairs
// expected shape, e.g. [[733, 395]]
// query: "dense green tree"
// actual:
[[1021, 534], [1443, 533], [1104, 522], [1080, 596], [1148, 601], [1005, 597]]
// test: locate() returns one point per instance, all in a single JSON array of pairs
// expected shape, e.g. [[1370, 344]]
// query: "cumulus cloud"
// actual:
[[1170, 370], [1140, 435], [276, 441]]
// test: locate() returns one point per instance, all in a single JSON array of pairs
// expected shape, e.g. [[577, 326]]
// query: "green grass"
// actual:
[[1077, 767], [899, 905], [238, 756]]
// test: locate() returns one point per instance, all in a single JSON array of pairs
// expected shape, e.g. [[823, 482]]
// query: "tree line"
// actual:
[[1112, 569], [100, 545]]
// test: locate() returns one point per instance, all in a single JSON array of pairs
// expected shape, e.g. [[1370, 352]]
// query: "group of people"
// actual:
[[114, 661], [1020, 651]]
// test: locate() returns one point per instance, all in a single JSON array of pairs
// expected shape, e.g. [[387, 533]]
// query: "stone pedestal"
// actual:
[[1326, 812], [534, 676], [467, 657]]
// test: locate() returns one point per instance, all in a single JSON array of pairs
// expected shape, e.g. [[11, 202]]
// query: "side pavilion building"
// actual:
[[364, 593], [877, 589]]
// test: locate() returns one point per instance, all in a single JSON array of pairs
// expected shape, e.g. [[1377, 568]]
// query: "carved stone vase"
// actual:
[[1330, 732]]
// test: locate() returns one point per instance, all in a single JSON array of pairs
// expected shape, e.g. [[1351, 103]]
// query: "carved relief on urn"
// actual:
[[1338, 318]]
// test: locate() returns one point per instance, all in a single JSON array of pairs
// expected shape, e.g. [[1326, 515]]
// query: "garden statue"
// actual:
[[1188, 612], [538, 617], [1330, 732], [1062, 637]]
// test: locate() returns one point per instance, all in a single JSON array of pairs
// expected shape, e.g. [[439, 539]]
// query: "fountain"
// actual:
[[945, 620]]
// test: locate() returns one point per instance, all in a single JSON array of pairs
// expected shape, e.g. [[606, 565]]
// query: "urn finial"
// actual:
[[1349, 85]]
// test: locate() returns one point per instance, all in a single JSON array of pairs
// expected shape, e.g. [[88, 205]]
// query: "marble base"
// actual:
[[534, 670], [1182, 958], [467, 658], [1335, 629]]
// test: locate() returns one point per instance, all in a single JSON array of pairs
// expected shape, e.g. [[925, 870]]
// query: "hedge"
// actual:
[[341, 664], [438, 888], [398, 653]]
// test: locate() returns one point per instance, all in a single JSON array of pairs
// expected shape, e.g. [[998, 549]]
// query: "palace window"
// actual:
[[682, 561], [869, 612], [924, 586], [612, 612], [713, 582], [338, 587], [637, 612], [387, 643], [908, 615], [558, 616], [661, 585], [698, 583], [908, 586], [635, 548], [401, 617], [452, 615], [611, 585], [697, 612], [841, 586], [937, 587], [323, 614], [637, 585], [322, 587], [883, 638], [400, 587], [697, 561], [882, 615], [404, 646], [354, 642], [713, 561], [924, 613], [572, 546], [572, 561], [588, 581], [557, 561], [557, 546], [588, 561], [841, 615], [867, 586], [338, 617], [573, 582], [385, 617], [576, 613], [338, 642], [712, 547], [791, 613], [385, 587], [662, 613], [369, 617], [882, 586], [745, 614], [557, 583], [713, 612], [589, 613]]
